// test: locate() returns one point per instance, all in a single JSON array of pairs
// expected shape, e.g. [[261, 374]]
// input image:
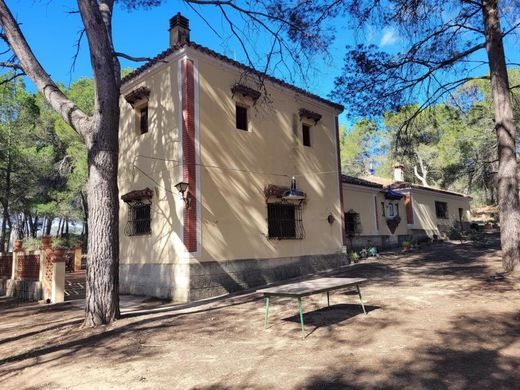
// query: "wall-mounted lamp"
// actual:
[[330, 219], [182, 187]]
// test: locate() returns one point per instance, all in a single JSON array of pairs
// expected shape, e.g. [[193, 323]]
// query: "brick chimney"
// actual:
[[398, 172], [179, 29]]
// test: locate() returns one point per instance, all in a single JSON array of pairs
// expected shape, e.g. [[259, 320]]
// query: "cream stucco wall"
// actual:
[[142, 163], [362, 199], [237, 165], [424, 210]]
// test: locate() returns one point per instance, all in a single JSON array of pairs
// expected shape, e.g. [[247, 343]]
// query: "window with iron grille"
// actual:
[[352, 223], [139, 219], [441, 210], [284, 221]]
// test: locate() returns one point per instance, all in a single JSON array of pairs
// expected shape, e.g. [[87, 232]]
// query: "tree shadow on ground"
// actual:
[[475, 353]]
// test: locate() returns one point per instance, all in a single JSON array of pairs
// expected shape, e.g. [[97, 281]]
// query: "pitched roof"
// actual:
[[401, 185], [161, 58], [359, 182]]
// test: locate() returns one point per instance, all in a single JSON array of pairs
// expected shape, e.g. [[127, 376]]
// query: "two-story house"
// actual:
[[207, 160]]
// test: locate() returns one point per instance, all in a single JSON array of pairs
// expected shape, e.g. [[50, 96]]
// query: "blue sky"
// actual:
[[52, 31]]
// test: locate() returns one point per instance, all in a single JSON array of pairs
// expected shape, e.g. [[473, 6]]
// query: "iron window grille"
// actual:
[[139, 218], [284, 221], [352, 223], [441, 210]]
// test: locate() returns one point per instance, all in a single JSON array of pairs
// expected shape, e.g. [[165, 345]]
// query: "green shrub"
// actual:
[[353, 256]]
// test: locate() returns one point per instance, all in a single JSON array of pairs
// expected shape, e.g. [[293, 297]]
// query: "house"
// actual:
[[385, 212], [224, 184], [373, 214]]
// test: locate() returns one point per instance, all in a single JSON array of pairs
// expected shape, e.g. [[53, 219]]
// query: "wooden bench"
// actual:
[[310, 287]]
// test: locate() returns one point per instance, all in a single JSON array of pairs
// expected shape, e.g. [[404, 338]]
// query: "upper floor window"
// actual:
[[143, 119], [306, 135], [441, 210], [241, 117], [138, 99]]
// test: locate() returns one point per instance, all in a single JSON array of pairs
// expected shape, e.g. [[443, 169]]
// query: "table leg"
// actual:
[[361, 299], [301, 315], [328, 299], [266, 311]]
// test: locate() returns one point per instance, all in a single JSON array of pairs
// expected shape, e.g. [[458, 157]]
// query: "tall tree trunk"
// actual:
[[506, 136], [84, 205], [100, 132], [7, 192], [59, 227], [3, 232], [102, 295], [49, 226]]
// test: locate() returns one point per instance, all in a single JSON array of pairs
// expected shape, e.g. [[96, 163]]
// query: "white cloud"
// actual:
[[389, 37]]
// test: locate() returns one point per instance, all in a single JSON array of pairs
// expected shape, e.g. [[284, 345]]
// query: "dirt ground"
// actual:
[[435, 320]]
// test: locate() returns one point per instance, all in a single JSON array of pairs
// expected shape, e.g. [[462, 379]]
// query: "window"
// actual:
[[241, 117], [284, 221], [352, 224], [383, 208], [391, 210], [143, 119], [139, 219], [306, 133], [441, 210]]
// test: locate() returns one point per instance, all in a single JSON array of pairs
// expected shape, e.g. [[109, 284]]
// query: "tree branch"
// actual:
[[132, 58], [14, 37], [12, 65]]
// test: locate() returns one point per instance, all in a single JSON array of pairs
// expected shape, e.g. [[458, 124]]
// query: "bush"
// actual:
[[455, 234], [353, 257]]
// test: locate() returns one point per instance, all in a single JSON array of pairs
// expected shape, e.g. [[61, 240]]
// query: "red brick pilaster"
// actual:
[[189, 154], [342, 213], [408, 202]]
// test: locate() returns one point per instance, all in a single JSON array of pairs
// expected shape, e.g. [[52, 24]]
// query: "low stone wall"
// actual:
[[381, 242], [213, 278], [191, 282]]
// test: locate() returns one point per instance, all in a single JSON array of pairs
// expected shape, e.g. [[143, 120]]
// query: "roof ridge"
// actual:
[[223, 58]]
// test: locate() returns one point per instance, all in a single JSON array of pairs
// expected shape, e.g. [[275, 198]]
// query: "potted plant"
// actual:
[[406, 246]]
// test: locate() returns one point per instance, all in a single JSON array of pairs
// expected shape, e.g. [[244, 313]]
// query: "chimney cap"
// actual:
[[181, 21], [398, 165]]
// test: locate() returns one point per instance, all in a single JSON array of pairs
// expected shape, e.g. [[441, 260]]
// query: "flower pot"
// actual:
[[18, 244], [58, 254], [46, 241]]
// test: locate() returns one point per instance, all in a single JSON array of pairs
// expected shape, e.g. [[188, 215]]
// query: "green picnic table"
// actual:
[[310, 287]]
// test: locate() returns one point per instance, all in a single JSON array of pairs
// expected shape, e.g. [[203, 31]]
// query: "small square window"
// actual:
[[143, 119], [241, 117], [306, 133]]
